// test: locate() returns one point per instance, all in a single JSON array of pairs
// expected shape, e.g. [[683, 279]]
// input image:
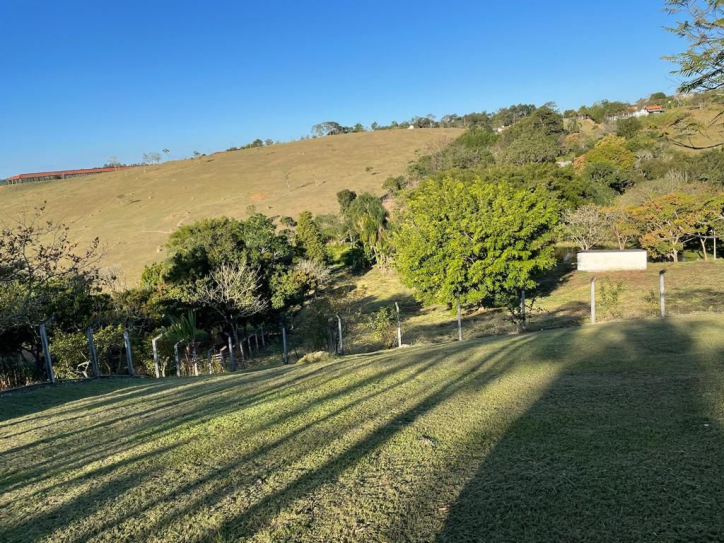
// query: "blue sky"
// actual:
[[83, 80]]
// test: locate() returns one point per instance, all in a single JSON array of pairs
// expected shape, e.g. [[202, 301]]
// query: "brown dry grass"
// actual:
[[134, 211]]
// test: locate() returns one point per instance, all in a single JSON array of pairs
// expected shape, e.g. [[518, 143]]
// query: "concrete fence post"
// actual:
[[522, 309], [223, 357], [285, 356], [232, 360], [156, 365], [46, 353], [177, 358], [195, 360], [593, 300], [93, 354], [662, 295], [340, 350], [399, 326], [129, 354], [209, 355]]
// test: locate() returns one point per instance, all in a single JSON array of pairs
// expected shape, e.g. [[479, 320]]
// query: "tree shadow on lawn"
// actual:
[[76, 509], [260, 514], [631, 454]]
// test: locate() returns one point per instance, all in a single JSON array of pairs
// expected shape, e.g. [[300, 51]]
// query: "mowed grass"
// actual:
[[134, 211], [563, 300], [611, 432]]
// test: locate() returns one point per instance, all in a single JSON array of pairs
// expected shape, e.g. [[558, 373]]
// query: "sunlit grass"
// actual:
[[610, 432]]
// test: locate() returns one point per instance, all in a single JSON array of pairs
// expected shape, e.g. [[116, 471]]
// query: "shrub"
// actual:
[[609, 295], [318, 356], [383, 325]]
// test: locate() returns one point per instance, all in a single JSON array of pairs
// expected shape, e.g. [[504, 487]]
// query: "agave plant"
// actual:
[[184, 330]]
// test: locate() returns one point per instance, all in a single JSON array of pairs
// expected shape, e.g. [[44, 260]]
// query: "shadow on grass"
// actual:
[[635, 457]]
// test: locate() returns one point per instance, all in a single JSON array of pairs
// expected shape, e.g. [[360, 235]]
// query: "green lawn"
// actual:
[[564, 300], [611, 432]]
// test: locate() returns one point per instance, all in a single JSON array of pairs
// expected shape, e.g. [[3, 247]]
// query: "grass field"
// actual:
[[134, 211], [564, 300], [599, 433]]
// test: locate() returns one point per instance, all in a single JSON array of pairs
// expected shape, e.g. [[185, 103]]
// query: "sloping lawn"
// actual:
[[611, 432]]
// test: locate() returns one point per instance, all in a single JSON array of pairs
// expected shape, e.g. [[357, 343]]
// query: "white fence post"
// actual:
[[209, 355], [156, 365], [285, 358], [232, 360], [339, 328], [593, 300], [93, 354], [399, 326], [662, 295], [46, 352], [129, 354]]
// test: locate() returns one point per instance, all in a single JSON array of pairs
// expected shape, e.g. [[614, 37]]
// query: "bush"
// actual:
[[609, 295], [383, 325]]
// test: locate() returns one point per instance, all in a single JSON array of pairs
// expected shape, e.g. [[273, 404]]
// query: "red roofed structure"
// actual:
[[654, 109], [61, 174]]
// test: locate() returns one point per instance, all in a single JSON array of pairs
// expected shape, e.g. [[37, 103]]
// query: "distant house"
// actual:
[[60, 174], [654, 109]]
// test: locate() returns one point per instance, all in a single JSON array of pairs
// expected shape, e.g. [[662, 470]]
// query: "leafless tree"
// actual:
[[585, 226], [231, 291]]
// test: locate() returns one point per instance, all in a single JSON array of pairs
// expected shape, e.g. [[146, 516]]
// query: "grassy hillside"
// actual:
[[605, 433], [692, 287], [133, 211]]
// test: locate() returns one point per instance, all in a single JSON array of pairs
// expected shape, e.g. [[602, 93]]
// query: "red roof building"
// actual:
[[61, 174]]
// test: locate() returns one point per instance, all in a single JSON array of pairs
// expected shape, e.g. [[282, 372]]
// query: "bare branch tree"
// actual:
[[585, 226]]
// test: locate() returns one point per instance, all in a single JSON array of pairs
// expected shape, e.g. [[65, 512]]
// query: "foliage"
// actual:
[[534, 139], [585, 226], [702, 64], [383, 325], [366, 224], [667, 223], [609, 295], [475, 240], [308, 238], [39, 266], [345, 198], [628, 128]]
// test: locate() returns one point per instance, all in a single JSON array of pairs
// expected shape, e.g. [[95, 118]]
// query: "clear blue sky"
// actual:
[[83, 80]]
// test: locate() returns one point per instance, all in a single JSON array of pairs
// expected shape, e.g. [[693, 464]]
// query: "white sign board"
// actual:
[[594, 261]]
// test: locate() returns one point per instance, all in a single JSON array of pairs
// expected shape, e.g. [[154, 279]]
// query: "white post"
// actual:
[[593, 300], [399, 326], [284, 342], [177, 358], [221, 352], [92, 348], [662, 297], [339, 329], [522, 308], [156, 365], [46, 353], [232, 360], [195, 361], [129, 354], [209, 355], [460, 320], [256, 341]]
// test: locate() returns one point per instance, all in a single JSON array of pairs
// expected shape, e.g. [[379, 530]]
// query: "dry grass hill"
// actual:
[[134, 211]]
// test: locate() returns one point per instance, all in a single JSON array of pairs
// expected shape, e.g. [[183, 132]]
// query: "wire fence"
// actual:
[[566, 298]]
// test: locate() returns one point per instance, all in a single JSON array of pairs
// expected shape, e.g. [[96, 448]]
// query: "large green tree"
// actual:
[[475, 242]]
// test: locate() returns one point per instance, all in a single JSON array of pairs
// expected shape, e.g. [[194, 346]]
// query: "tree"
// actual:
[[166, 152], [702, 64], [185, 330], [345, 197], [628, 128], [621, 225], [475, 243], [667, 223], [308, 238], [585, 226], [231, 291], [366, 223], [38, 263], [268, 142]]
